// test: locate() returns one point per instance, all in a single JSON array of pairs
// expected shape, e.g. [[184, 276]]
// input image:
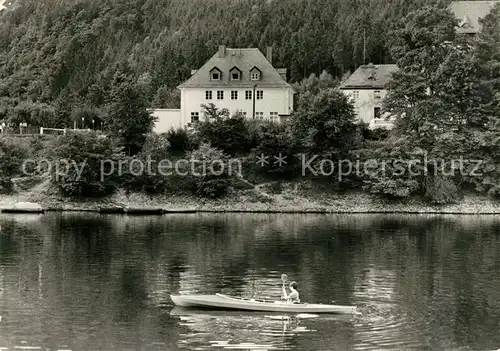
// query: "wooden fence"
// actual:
[[31, 130], [64, 131]]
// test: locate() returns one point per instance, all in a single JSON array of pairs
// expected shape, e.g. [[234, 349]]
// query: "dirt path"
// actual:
[[257, 188]]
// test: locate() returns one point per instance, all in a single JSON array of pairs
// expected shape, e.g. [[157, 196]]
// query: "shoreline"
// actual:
[[244, 202], [49, 210]]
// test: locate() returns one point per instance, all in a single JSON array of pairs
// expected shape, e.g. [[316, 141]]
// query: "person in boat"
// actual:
[[293, 297]]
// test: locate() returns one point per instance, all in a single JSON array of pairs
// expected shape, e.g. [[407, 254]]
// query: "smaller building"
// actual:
[[367, 87], [469, 13], [166, 119]]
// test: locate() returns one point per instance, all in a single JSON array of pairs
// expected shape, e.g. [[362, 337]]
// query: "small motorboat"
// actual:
[[220, 301]]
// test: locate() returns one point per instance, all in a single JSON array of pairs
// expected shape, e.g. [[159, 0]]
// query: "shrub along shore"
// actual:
[[244, 201]]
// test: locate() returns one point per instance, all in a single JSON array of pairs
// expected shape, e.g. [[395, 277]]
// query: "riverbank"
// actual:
[[246, 201]]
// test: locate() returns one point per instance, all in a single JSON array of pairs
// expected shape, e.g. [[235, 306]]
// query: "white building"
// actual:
[[241, 80], [367, 87], [166, 119]]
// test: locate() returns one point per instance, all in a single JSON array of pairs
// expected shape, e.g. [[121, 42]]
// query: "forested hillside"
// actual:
[[60, 55]]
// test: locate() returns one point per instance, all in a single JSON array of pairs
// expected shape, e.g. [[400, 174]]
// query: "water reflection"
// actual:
[[247, 330], [86, 281]]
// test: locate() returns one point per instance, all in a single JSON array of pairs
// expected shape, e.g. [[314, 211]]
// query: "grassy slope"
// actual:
[[289, 200]]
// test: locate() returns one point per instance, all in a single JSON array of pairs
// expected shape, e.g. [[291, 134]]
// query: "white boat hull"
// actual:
[[220, 301]]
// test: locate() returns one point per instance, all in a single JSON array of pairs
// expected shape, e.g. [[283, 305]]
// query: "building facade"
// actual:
[[367, 88], [166, 119], [241, 80]]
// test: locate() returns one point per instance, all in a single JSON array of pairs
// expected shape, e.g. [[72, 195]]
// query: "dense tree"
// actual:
[[419, 46], [325, 123], [211, 171], [127, 116], [146, 173], [230, 135], [70, 50], [179, 141], [274, 141], [444, 97], [213, 113], [12, 156], [167, 97], [313, 85], [86, 164]]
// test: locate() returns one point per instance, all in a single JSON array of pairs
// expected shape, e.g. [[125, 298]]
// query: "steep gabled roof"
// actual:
[[369, 77], [468, 14], [244, 60]]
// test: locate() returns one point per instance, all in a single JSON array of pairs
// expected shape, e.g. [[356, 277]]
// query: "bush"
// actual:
[[149, 180], [89, 152], [441, 191], [379, 134], [12, 155], [207, 183], [398, 188], [127, 115], [180, 141], [36, 114], [363, 130], [325, 124], [272, 141], [385, 171], [230, 135]]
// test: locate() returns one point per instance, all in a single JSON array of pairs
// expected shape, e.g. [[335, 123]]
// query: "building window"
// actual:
[[377, 94], [255, 76], [215, 75], [273, 116], [260, 94], [377, 113], [259, 115], [195, 117], [235, 76], [220, 95], [234, 95], [248, 95], [244, 114], [355, 94], [208, 94]]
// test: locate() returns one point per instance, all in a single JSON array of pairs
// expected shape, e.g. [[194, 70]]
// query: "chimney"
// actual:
[[282, 73], [269, 54], [222, 50]]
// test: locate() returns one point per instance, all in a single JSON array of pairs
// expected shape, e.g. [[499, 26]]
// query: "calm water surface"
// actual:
[[95, 282]]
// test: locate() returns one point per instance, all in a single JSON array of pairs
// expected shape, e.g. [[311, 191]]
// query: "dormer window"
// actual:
[[255, 74], [215, 74], [235, 73]]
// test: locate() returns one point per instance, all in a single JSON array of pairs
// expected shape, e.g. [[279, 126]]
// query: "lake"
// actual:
[[84, 281]]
